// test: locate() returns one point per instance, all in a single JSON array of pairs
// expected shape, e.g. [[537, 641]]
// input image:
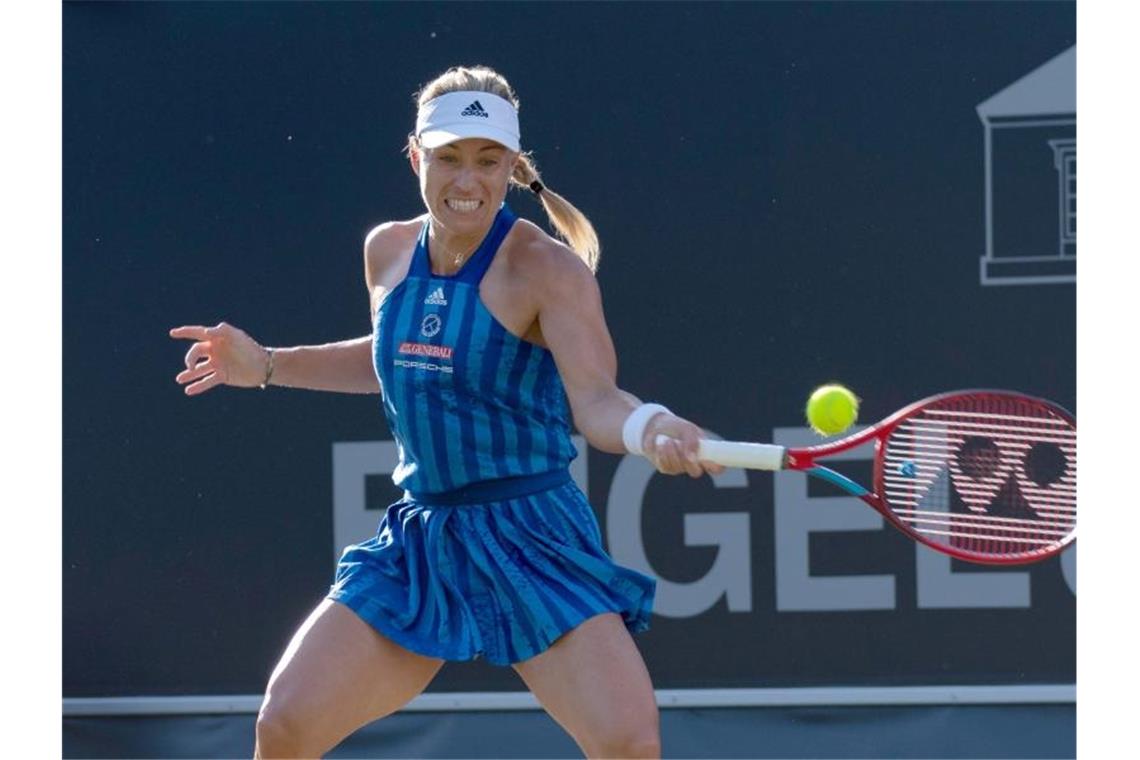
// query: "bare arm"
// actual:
[[344, 366], [573, 325], [226, 355]]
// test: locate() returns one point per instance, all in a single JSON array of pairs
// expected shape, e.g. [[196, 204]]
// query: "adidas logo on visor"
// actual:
[[475, 109]]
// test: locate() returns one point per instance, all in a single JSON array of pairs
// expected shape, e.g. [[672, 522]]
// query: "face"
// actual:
[[464, 183]]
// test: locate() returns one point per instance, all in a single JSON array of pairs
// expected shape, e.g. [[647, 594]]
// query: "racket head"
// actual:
[[986, 476]]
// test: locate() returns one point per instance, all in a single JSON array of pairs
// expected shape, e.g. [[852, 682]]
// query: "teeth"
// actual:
[[463, 206]]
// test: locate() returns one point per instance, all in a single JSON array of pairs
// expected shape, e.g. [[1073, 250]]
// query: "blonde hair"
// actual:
[[570, 223]]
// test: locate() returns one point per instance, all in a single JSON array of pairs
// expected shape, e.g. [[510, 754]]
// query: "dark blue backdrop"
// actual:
[[786, 194]]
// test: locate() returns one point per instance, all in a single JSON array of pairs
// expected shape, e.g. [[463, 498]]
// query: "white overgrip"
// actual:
[[752, 456]]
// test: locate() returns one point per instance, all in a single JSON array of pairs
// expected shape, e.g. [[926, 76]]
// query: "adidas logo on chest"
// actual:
[[475, 109], [437, 298]]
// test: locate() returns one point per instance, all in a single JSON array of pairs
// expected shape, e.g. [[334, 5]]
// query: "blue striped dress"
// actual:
[[493, 552]]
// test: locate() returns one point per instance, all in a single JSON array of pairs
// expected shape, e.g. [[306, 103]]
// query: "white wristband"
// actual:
[[634, 428]]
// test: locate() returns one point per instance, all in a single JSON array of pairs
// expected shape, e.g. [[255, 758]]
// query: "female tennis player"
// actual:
[[484, 327]]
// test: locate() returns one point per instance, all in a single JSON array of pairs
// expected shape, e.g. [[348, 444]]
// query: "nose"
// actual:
[[465, 178]]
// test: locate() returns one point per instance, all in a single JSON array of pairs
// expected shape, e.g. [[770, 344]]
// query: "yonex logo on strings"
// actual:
[[475, 109], [436, 298]]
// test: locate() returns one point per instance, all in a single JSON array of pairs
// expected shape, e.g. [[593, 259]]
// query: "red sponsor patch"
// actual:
[[426, 349]]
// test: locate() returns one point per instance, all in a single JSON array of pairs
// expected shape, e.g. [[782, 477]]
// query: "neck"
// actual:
[[450, 251]]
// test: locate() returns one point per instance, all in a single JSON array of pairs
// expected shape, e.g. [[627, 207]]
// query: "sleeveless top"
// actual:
[[466, 400]]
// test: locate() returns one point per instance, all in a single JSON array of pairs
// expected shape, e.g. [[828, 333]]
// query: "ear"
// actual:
[[414, 154], [520, 160]]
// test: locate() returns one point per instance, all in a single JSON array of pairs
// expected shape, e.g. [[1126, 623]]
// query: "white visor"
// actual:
[[458, 115]]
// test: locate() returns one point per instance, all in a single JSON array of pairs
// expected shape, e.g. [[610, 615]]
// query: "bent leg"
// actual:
[[336, 675], [594, 683]]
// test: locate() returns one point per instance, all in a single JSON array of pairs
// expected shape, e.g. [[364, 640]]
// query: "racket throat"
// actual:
[[841, 481]]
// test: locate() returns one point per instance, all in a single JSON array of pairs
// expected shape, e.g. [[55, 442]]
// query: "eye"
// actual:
[[489, 162]]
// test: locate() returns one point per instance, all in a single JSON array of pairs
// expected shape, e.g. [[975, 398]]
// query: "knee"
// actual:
[[279, 733], [642, 740], [645, 745]]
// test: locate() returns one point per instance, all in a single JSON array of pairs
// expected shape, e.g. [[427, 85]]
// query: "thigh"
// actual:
[[338, 674], [594, 683]]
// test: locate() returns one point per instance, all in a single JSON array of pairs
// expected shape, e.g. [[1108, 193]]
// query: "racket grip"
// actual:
[[752, 456]]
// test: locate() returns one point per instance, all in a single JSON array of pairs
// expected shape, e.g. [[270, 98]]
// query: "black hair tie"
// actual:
[[537, 187]]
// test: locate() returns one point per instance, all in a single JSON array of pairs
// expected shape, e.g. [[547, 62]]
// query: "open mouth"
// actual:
[[463, 206]]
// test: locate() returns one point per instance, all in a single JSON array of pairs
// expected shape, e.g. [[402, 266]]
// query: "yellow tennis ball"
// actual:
[[832, 409]]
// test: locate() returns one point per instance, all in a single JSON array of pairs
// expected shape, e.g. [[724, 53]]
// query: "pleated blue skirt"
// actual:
[[501, 580]]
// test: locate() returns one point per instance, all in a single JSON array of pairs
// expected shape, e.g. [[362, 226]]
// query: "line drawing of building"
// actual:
[[1031, 177]]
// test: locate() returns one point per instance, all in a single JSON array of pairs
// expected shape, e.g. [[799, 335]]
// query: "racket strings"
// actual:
[[987, 475]]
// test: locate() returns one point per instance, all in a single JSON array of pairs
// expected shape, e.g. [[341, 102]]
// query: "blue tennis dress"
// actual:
[[493, 552]]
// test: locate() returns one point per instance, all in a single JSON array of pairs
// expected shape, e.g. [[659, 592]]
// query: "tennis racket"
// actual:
[[985, 476]]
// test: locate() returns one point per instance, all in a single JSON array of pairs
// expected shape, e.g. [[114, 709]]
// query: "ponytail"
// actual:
[[570, 223]]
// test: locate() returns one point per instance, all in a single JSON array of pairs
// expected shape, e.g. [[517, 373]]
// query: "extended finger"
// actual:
[[203, 385], [190, 332], [197, 371], [197, 353]]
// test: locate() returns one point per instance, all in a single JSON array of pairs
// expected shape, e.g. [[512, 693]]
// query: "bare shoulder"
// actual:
[[549, 267], [386, 247]]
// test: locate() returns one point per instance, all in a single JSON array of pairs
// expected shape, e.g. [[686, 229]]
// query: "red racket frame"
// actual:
[[805, 460]]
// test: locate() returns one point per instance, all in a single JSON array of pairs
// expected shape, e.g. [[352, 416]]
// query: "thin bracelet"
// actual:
[[268, 369]]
